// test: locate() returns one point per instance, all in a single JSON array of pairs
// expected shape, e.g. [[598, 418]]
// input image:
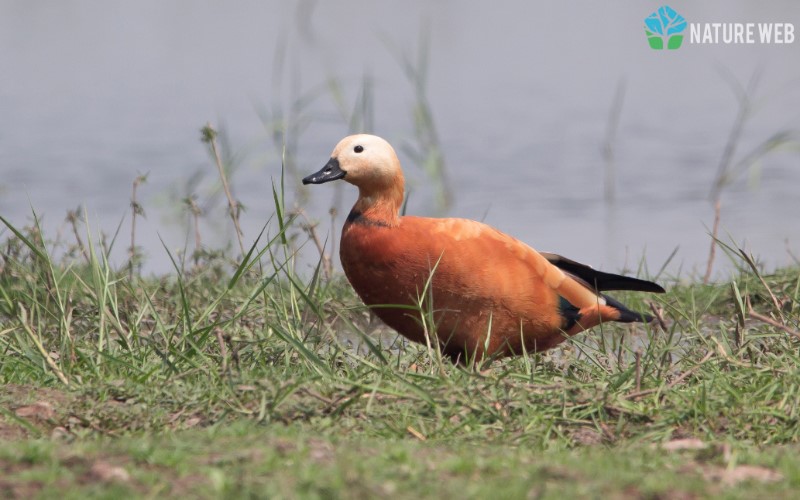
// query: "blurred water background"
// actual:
[[527, 101]]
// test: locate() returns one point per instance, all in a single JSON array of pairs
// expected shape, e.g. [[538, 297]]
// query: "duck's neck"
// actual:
[[379, 204]]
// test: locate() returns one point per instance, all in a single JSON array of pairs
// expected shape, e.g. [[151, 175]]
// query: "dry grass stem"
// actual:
[[223, 349], [750, 262], [766, 319], [194, 213], [659, 315], [610, 140], [136, 209], [210, 136], [713, 250], [417, 434], [23, 319], [73, 217], [675, 382], [638, 371], [310, 229]]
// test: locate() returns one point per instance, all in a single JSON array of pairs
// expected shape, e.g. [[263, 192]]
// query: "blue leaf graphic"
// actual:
[[653, 23], [665, 21], [671, 20]]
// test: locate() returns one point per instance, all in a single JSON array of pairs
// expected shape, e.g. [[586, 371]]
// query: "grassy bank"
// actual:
[[232, 377]]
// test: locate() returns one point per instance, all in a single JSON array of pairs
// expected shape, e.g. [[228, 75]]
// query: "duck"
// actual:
[[463, 285]]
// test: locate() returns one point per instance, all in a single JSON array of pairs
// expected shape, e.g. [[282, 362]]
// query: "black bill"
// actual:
[[330, 172]]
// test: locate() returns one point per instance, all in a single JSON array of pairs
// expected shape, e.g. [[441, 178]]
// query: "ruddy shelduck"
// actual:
[[488, 293]]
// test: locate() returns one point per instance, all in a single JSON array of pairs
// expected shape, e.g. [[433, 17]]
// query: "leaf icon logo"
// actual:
[[664, 28]]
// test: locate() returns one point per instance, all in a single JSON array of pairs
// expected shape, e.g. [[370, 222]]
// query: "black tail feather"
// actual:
[[625, 314], [598, 279]]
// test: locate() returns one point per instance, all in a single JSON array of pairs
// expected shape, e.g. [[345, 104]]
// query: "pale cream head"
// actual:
[[367, 160], [370, 163]]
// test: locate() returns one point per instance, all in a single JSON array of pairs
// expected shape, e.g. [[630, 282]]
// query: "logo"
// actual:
[[664, 29]]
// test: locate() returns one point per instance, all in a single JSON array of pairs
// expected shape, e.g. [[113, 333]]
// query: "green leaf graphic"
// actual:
[[655, 41], [674, 42]]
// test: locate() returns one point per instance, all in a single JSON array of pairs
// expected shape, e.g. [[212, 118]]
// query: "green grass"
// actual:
[[246, 459], [234, 379]]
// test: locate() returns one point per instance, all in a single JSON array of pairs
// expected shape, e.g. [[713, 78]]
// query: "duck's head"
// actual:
[[366, 161]]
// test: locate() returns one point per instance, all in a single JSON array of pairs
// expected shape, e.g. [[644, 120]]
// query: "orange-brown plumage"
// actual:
[[489, 294]]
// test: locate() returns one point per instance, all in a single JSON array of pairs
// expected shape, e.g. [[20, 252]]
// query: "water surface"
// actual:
[[94, 94]]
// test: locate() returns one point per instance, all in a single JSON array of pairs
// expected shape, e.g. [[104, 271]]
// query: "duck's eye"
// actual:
[[358, 149]]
